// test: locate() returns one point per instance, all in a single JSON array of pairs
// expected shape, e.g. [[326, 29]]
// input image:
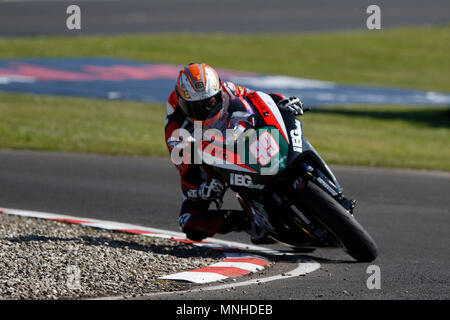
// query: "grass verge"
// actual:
[[81, 125]]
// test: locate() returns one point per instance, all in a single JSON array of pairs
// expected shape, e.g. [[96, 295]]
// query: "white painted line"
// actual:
[[304, 267]]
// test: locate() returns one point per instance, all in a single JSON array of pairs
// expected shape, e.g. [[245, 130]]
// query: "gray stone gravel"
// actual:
[[43, 259]]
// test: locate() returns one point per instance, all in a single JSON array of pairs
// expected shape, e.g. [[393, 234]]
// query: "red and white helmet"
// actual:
[[199, 91]]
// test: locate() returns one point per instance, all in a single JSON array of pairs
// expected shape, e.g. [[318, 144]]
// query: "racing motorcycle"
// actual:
[[281, 180]]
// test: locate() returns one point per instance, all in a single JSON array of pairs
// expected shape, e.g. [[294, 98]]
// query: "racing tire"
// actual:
[[312, 200]]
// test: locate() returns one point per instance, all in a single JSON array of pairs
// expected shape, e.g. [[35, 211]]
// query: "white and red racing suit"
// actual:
[[196, 219]]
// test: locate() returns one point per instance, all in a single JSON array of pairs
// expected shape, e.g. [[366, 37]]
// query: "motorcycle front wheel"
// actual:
[[356, 241]]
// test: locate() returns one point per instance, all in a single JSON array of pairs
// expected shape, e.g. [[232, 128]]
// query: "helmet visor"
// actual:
[[203, 109]]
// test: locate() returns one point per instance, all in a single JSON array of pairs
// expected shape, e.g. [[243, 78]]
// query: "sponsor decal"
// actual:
[[259, 103], [300, 215], [327, 187], [244, 180], [192, 193], [279, 162], [296, 137], [185, 92], [199, 85]]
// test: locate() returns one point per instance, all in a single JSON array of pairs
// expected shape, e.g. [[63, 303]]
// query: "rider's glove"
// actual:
[[211, 190], [292, 104]]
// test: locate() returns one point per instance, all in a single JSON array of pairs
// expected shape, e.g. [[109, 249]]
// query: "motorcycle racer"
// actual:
[[200, 95]]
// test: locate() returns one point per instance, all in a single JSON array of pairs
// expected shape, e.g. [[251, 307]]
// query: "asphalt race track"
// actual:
[[406, 211], [38, 17]]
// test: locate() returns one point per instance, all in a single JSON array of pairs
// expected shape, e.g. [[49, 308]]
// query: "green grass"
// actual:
[[405, 137], [406, 57], [81, 125], [361, 135], [369, 136]]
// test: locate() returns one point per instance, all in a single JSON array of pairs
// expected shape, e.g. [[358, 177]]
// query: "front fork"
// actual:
[[324, 182]]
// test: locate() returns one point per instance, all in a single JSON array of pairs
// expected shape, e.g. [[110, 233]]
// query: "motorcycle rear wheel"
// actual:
[[314, 201]]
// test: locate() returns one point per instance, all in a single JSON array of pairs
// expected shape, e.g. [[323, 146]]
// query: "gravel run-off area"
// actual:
[[44, 260]]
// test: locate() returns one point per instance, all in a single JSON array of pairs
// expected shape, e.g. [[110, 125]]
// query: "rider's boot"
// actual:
[[258, 235], [233, 220], [239, 220]]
